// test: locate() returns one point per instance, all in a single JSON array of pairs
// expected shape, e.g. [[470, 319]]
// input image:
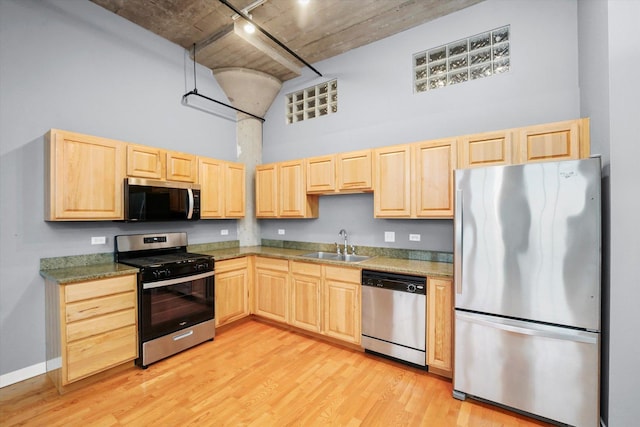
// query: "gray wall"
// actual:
[[624, 87], [377, 107], [72, 65]]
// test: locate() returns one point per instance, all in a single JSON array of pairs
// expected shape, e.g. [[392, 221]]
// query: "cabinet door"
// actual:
[[232, 290], [486, 149], [181, 167], [341, 310], [305, 295], [392, 190], [321, 174], [355, 171], [271, 289], [434, 165], [85, 177], [548, 142], [211, 178], [144, 162], [234, 190], [267, 191], [439, 323], [292, 192]]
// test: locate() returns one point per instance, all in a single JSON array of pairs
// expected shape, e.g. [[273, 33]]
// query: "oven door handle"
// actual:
[[151, 285]]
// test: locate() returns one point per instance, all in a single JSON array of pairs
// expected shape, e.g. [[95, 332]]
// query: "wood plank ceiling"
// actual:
[[316, 31]]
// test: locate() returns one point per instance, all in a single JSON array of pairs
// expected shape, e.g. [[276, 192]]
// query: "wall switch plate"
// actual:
[[281, 231], [414, 237], [100, 240], [224, 232], [389, 236]]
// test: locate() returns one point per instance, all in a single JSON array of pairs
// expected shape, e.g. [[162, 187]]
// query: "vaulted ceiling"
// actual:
[[314, 31]]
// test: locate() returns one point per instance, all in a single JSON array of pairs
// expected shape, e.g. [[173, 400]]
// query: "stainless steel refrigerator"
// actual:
[[527, 288]]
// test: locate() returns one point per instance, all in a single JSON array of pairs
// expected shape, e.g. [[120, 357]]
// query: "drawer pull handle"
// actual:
[[181, 336]]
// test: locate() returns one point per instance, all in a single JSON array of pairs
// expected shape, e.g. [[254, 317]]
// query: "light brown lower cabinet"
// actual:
[[306, 281], [440, 324], [91, 327], [342, 308], [232, 290], [271, 289]]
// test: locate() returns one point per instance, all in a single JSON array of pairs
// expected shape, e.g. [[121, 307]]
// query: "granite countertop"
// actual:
[[67, 270], [383, 263], [67, 275]]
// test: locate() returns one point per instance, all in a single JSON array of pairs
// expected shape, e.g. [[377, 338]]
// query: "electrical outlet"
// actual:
[[281, 231], [224, 232], [389, 236], [414, 237], [100, 240]]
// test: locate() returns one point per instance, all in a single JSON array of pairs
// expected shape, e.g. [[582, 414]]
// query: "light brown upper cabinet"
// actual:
[[84, 177], [433, 181], [355, 171], [486, 149], [415, 180], [181, 167], [340, 173], [568, 140], [222, 188], [392, 188], [267, 191], [145, 162], [321, 174], [281, 191]]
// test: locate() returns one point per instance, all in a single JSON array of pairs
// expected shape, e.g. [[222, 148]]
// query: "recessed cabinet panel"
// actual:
[[435, 162], [554, 141], [486, 149], [181, 167], [321, 174], [355, 171], [440, 324], [85, 176], [267, 191], [145, 162], [392, 190], [234, 190]]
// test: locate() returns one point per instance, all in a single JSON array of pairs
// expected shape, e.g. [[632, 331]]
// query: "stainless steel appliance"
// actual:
[[175, 293], [394, 315], [527, 278], [149, 200]]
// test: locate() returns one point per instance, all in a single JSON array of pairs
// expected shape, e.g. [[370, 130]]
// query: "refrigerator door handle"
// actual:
[[529, 328], [457, 253]]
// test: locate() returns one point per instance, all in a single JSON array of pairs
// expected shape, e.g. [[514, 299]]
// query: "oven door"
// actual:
[[171, 305]]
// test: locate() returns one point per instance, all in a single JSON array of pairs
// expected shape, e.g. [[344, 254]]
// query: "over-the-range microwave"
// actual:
[[150, 200]]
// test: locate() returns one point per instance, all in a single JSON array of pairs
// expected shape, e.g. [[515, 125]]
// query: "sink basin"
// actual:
[[337, 257]]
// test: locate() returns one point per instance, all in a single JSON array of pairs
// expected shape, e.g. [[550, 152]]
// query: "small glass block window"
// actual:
[[475, 57], [312, 102]]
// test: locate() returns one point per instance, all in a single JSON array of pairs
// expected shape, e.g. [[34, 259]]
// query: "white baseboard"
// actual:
[[23, 374]]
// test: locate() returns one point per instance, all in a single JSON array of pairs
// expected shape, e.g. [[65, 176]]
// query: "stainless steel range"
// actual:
[[175, 293]]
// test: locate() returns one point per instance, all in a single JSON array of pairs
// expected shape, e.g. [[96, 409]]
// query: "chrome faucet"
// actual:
[[342, 233]]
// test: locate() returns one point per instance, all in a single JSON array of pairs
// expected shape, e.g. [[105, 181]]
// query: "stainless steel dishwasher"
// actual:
[[394, 308]]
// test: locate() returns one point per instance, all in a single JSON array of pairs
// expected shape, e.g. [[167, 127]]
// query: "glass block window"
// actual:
[[475, 57], [312, 102]]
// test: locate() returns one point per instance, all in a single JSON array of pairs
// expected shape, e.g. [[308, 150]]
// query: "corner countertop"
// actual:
[[72, 274]]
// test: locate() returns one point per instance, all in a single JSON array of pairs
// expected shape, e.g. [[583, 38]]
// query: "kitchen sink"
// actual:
[[336, 257]]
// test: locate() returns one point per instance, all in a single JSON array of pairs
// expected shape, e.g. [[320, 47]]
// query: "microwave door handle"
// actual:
[[190, 208]]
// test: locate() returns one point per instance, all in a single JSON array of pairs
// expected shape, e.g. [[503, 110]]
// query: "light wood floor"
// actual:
[[255, 374]]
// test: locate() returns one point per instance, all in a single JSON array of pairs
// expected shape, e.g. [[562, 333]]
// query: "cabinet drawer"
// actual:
[[99, 288], [231, 265], [273, 264], [101, 352], [351, 275], [306, 268], [101, 324], [99, 306]]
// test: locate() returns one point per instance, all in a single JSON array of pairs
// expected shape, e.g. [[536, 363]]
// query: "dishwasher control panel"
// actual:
[[395, 281]]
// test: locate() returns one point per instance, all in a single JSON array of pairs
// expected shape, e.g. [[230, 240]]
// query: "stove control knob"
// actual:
[[155, 274]]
